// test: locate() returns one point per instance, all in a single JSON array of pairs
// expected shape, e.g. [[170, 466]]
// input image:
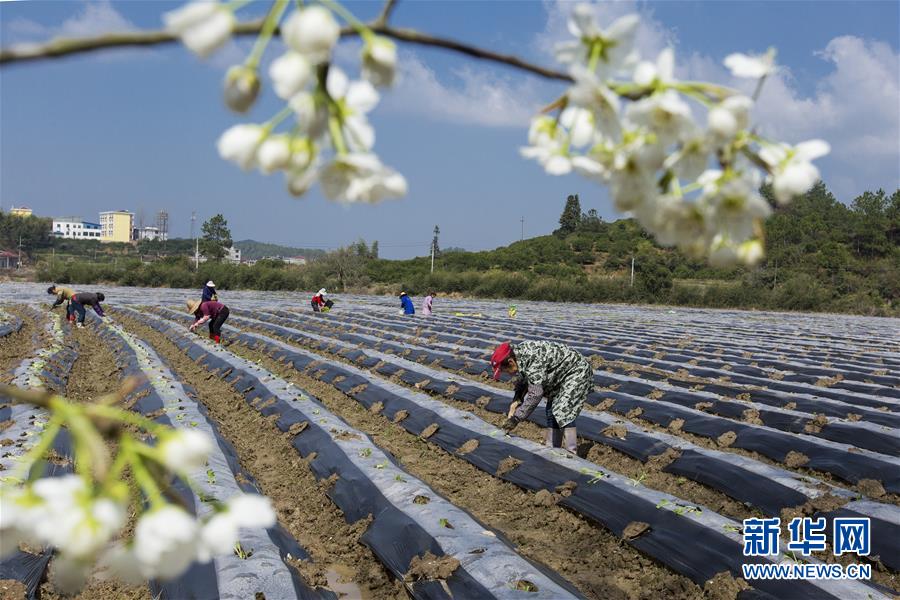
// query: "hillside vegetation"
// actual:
[[822, 255]]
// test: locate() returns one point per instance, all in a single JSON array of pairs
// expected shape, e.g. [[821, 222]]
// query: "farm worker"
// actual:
[[551, 370], [82, 299], [318, 300], [212, 311], [209, 292], [406, 304], [63, 294], [426, 305]]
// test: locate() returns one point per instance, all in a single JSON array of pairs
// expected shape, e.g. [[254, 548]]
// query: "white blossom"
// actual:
[[220, 533], [590, 93], [203, 26], [662, 71], [69, 574], [752, 67], [239, 144], [290, 73], [119, 562], [614, 46], [360, 177], [750, 252], [691, 158], [311, 31], [165, 542], [728, 117], [665, 114], [312, 115], [736, 209], [12, 515], [274, 153], [355, 99], [379, 61], [185, 450], [792, 173]]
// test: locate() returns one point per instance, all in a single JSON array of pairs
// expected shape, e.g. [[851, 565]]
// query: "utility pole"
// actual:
[[434, 245], [632, 271], [522, 220], [196, 242], [19, 263]]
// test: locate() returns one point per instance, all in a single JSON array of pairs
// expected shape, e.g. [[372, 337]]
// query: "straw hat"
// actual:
[[210, 283], [193, 305], [322, 292]]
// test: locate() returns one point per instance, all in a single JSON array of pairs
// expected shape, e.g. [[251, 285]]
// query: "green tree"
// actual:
[[570, 219], [33, 232], [216, 238], [373, 253]]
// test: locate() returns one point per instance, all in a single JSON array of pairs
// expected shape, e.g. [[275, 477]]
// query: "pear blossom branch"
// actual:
[[62, 47]]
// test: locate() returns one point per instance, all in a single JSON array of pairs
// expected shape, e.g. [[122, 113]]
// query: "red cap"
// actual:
[[500, 354]]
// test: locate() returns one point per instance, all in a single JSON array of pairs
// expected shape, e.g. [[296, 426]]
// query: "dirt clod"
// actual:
[[430, 567], [376, 407], [616, 431], [635, 529], [675, 425], [751, 415], [870, 488], [429, 431], [544, 498], [400, 415], [297, 428], [724, 586], [469, 446], [795, 459], [634, 412], [506, 465], [565, 489], [726, 439], [661, 461]]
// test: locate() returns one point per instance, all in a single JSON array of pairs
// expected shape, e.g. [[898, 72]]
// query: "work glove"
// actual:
[[509, 424]]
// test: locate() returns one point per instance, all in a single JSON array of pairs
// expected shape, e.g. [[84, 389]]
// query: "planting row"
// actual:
[[21, 426], [411, 524], [658, 524], [767, 488], [842, 460]]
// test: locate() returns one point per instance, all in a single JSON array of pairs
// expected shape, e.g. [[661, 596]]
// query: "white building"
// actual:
[[150, 233], [294, 260], [74, 228], [232, 255]]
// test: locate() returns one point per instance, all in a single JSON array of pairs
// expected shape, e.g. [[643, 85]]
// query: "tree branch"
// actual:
[[67, 47], [386, 11]]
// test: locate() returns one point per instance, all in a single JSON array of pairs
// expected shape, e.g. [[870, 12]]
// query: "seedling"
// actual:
[[639, 480], [194, 423], [681, 480], [445, 524], [596, 475], [399, 478], [731, 528], [211, 476], [241, 553], [381, 465], [662, 503], [365, 452]]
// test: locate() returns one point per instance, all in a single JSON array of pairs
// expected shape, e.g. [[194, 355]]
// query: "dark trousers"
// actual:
[[78, 307], [315, 306], [215, 325]]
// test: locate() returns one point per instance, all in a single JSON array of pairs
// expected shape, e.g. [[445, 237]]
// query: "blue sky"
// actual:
[[136, 129]]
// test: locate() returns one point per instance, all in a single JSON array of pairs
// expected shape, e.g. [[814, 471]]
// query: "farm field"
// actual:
[[376, 437]]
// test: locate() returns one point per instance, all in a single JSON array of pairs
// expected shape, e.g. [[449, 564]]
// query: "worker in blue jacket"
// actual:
[[406, 304]]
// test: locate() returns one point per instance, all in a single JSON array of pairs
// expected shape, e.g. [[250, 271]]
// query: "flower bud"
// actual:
[[379, 61], [274, 154], [241, 88], [313, 32]]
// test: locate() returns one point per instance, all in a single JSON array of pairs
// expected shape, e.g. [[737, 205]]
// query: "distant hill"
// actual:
[[252, 249]]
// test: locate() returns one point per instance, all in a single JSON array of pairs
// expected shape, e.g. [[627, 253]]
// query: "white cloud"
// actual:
[[478, 96], [94, 18]]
